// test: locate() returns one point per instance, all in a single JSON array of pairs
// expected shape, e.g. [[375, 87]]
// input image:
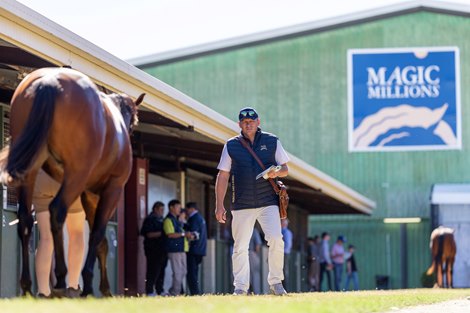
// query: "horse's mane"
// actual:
[[126, 106]]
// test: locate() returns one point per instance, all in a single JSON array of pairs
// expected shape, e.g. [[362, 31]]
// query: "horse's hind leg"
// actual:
[[450, 271], [102, 252], [25, 225], [439, 273], [90, 205], [58, 210], [445, 279], [106, 207]]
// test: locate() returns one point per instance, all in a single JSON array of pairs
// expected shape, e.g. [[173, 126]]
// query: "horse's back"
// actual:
[[77, 93], [83, 135]]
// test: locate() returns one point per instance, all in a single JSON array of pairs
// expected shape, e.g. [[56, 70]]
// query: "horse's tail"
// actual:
[[437, 253], [431, 268], [23, 152]]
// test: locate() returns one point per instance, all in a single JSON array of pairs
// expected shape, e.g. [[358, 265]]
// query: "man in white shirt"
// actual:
[[252, 199]]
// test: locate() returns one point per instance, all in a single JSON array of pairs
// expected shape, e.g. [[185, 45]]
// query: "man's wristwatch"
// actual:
[[182, 234]]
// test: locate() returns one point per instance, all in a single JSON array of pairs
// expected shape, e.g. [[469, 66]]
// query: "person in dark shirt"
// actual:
[[196, 226], [351, 270], [152, 230]]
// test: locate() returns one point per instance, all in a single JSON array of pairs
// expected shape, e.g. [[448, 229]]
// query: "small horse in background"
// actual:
[[443, 250], [60, 122]]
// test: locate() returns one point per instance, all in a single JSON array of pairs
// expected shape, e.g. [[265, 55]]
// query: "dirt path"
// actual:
[[452, 306]]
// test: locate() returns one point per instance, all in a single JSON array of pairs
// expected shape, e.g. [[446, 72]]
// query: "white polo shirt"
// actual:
[[225, 163]]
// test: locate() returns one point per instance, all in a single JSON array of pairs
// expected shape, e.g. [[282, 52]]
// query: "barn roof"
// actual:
[[302, 29]]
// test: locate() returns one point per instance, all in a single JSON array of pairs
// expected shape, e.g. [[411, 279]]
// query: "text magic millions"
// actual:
[[406, 82]]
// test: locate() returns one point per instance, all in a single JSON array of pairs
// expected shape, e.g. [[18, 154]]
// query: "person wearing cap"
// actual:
[[337, 256], [197, 236], [252, 199]]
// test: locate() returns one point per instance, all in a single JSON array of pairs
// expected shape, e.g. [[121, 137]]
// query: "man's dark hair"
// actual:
[[192, 205], [324, 234], [173, 203], [157, 205]]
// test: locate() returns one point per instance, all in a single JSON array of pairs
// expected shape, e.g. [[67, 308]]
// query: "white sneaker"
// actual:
[[277, 289], [239, 292]]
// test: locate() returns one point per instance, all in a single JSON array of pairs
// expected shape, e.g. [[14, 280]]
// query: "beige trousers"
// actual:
[[242, 228]]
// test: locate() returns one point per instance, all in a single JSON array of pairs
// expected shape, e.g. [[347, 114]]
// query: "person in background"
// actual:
[[154, 247], [337, 256], [325, 260], [288, 238], [197, 235], [351, 270], [176, 245], [254, 254], [45, 190], [313, 252]]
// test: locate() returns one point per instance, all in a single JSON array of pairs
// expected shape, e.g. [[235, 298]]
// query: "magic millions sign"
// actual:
[[404, 99]]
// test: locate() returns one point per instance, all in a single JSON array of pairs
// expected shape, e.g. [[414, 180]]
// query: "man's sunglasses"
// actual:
[[248, 113]]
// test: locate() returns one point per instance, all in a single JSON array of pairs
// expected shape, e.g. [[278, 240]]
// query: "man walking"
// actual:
[[196, 226], [154, 247], [176, 245], [252, 199]]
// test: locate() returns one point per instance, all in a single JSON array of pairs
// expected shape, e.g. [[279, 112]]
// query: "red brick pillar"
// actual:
[[135, 213]]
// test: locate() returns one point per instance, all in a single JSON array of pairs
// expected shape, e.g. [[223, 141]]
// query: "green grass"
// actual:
[[362, 301]]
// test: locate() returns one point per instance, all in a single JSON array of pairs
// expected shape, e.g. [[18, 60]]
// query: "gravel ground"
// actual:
[[453, 306]]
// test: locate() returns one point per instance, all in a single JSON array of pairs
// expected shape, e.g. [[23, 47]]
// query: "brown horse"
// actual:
[[60, 122], [443, 251]]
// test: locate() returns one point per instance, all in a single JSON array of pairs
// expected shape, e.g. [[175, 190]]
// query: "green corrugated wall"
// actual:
[[299, 87], [378, 248]]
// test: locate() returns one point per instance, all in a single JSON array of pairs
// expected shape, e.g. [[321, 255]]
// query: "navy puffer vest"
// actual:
[[246, 191], [174, 244]]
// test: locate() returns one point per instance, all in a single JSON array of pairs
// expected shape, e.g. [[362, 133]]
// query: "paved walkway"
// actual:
[[453, 306]]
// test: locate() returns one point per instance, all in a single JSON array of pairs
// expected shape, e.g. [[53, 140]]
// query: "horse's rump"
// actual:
[[443, 251], [60, 108]]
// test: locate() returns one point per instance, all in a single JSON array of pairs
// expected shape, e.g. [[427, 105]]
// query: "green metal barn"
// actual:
[[297, 78]]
